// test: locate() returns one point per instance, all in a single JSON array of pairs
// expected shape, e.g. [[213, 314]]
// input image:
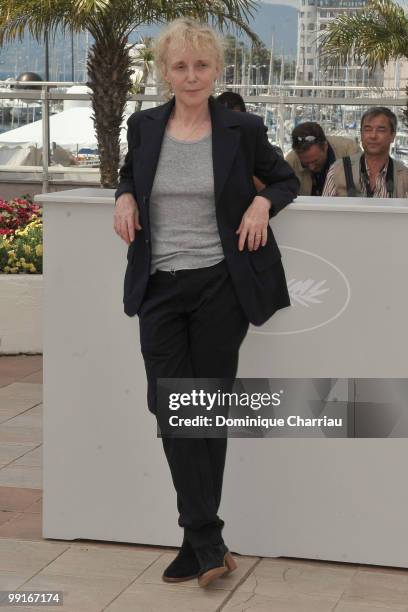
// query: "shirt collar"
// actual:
[[383, 170]]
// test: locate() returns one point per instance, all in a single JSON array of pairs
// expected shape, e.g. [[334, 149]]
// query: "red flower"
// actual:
[[17, 213]]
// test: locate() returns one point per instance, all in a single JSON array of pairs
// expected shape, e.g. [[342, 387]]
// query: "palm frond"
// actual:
[[36, 16], [373, 35], [120, 17]]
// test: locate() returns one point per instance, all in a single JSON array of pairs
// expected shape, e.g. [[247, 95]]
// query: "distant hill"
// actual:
[[269, 18]]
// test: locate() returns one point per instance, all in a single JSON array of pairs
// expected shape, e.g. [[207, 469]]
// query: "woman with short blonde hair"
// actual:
[[185, 32], [202, 259]]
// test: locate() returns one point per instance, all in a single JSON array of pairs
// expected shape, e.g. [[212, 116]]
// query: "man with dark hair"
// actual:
[[232, 100], [313, 153], [372, 173], [372, 113]]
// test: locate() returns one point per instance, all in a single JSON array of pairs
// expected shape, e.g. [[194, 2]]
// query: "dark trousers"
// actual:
[[191, 326]]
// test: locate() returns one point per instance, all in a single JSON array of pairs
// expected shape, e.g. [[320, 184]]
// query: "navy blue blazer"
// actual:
[[240, 150]]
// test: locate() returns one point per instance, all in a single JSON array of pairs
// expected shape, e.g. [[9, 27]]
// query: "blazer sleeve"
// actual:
[[126, 172], [281, 183]]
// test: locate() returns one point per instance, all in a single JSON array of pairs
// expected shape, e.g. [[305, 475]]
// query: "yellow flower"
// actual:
[[22, 259], [39, 250], [32, 268], [6, 269], [27, 249]]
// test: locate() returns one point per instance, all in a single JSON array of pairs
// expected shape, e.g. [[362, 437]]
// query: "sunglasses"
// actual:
[[306, 138]]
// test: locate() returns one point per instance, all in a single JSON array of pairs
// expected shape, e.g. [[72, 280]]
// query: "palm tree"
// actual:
[[110, 22], [373, 35], [143, 61]]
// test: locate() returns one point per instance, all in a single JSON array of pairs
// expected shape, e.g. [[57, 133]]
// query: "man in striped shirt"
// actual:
[[372, 173]]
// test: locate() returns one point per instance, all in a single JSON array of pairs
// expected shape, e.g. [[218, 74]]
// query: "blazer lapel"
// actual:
[[151, 136], [225, 141]]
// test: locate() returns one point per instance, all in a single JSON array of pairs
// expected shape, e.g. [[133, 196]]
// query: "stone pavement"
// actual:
[[98, 576]]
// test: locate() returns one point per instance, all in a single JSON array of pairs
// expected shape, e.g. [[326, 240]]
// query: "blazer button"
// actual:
[[147, 241]]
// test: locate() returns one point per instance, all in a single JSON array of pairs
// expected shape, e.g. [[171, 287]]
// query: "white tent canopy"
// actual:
[[17, 154], [70, 129], [29, 154]]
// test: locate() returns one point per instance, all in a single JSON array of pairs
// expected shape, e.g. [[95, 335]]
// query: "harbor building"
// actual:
[[314, 17]]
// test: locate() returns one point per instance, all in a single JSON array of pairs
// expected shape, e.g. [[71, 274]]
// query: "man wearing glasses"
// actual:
[[313, 153]]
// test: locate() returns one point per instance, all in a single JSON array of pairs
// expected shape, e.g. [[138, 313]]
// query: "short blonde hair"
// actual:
[[185, 31]]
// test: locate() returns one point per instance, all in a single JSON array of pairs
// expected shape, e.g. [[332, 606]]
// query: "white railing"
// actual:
[[329, 105]]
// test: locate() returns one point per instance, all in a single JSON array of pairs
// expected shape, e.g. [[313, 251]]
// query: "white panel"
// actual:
[[105, 474]]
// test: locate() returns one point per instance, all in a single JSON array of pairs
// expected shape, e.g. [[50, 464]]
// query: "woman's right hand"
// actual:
[[126, 217]]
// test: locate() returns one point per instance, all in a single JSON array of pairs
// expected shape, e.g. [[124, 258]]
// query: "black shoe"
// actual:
[[184, 567], [214, 560]]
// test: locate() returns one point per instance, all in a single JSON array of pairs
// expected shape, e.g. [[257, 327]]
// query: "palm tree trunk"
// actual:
[[109, 70], [142, 88]]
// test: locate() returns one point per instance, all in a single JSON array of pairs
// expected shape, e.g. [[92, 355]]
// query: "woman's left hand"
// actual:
[[254, 224]]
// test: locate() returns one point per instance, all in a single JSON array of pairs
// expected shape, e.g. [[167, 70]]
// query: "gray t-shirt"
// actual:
[[184, 231]]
